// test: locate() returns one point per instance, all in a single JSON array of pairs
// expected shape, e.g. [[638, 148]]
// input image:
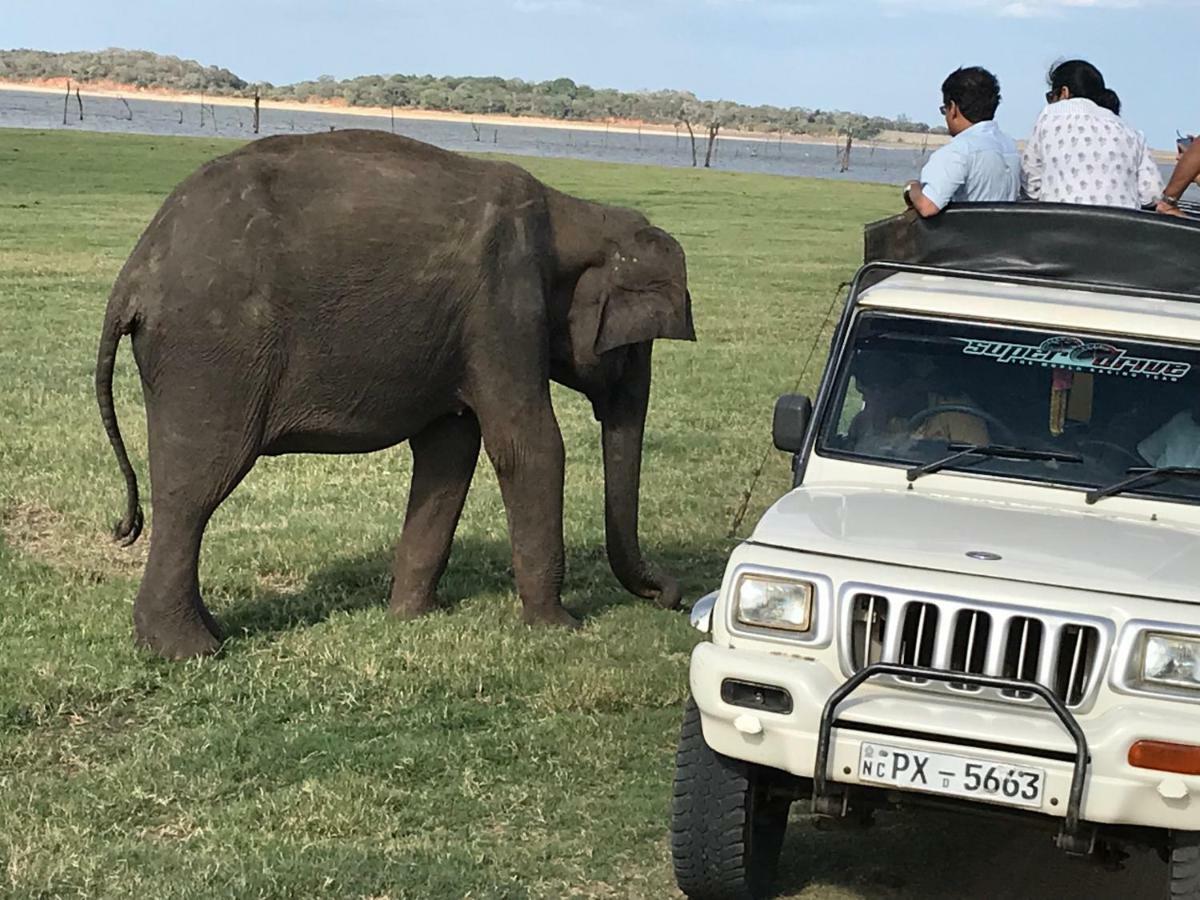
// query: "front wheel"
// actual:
[[726, 826], [1184, 866]]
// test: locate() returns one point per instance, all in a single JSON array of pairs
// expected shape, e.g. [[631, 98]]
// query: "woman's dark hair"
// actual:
[[976, 92], [1083, 80]]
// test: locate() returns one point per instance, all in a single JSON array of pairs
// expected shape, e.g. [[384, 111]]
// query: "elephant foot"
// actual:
[[405, 608], [176, 641], [549, 615]]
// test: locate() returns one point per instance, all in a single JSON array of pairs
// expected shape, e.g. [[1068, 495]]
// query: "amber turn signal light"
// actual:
[[1182, 759]]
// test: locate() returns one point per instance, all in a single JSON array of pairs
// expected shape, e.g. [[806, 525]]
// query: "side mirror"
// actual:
[[792, 412], [702, 610]]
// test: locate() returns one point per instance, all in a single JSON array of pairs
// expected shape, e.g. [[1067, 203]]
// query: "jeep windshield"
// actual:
[[1060, 407]]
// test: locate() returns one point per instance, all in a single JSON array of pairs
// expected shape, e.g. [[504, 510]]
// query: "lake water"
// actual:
[[138, 115]]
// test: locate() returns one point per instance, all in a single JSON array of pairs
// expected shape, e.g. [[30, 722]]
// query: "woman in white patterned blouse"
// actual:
[[1081, 151]]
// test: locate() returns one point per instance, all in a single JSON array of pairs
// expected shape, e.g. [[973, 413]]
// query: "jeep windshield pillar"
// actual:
[[982, 591]]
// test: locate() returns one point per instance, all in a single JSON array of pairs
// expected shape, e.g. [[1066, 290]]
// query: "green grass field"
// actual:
[[330, 751]]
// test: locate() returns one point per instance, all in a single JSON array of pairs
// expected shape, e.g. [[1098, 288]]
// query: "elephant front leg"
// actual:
[[527, 453], [444, 457]]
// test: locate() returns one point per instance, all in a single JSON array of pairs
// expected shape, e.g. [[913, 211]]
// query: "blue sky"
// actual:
[[881, 57]]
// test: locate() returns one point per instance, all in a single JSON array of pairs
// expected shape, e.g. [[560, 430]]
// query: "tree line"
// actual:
[[560, 98]]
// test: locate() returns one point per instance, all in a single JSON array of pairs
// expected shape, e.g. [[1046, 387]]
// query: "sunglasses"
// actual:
[[943, 109], [1051, 96]]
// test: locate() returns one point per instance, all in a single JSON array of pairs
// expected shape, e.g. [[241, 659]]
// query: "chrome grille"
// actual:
[[969, 645], [1063, 652]]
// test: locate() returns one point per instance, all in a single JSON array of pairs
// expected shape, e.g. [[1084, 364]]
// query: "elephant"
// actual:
[[344, 292]]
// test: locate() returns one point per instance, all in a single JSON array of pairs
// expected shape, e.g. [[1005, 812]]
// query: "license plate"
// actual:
[[958, 776]]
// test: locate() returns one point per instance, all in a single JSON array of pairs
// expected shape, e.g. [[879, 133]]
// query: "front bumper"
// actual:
[[1114, 793]]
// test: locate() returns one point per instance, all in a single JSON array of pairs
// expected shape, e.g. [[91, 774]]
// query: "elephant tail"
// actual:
[[116, 325]]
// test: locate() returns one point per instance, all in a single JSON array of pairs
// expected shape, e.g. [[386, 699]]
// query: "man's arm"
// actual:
[[941, 178], [918, 200]]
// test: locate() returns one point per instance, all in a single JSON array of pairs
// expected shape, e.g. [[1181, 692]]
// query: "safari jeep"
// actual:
[[983, 591]]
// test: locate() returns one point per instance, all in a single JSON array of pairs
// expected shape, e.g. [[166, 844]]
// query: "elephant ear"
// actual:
[[633, 317], [646, 299]]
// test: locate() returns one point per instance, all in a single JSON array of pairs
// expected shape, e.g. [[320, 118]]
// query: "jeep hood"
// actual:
[[1044, 545]]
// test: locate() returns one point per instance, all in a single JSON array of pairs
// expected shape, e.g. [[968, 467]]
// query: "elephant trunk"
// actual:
[[623, 426]]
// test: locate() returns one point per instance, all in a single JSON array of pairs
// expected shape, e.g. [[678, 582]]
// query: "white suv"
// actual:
[[983, 590]]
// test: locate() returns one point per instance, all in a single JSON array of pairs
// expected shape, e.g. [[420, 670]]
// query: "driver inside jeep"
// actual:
[[907, 399]]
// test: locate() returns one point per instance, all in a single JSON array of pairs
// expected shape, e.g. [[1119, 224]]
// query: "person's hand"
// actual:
[[1167, 209]]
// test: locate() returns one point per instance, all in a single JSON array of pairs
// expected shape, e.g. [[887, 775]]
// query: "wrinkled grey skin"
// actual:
[[344, 292]]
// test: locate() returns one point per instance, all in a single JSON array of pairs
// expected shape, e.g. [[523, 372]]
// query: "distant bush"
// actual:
[[561, 98], [139, 68]]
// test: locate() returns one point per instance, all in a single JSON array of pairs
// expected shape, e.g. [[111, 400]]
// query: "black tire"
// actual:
[[726, 827], [1184, 866]]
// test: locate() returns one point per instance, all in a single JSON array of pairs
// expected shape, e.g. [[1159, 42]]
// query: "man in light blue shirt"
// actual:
[[981, 164]]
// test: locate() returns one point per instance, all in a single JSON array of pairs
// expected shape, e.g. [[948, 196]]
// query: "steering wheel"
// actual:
[[998, 430], [1122, 452]]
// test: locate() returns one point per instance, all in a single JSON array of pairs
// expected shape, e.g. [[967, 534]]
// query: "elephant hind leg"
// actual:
[[444, 458], [169, 616], [192, 470]]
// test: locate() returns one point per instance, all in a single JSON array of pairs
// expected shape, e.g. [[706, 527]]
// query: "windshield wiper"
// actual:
[[1142, 476], [984, 451]]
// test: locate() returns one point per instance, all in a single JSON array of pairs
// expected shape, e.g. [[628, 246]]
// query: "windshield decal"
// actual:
[[1064, 352]]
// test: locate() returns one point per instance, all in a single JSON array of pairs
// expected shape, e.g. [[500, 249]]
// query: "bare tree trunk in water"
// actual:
[[202, 109], [79, 100], [66, 101], [692, 135], [713, 128], [127, 109], [846, 152], [256, 111]]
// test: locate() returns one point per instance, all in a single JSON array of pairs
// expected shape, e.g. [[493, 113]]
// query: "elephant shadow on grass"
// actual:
[[477, 566]]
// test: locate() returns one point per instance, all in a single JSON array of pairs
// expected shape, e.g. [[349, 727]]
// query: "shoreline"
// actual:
[[888, 139]]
